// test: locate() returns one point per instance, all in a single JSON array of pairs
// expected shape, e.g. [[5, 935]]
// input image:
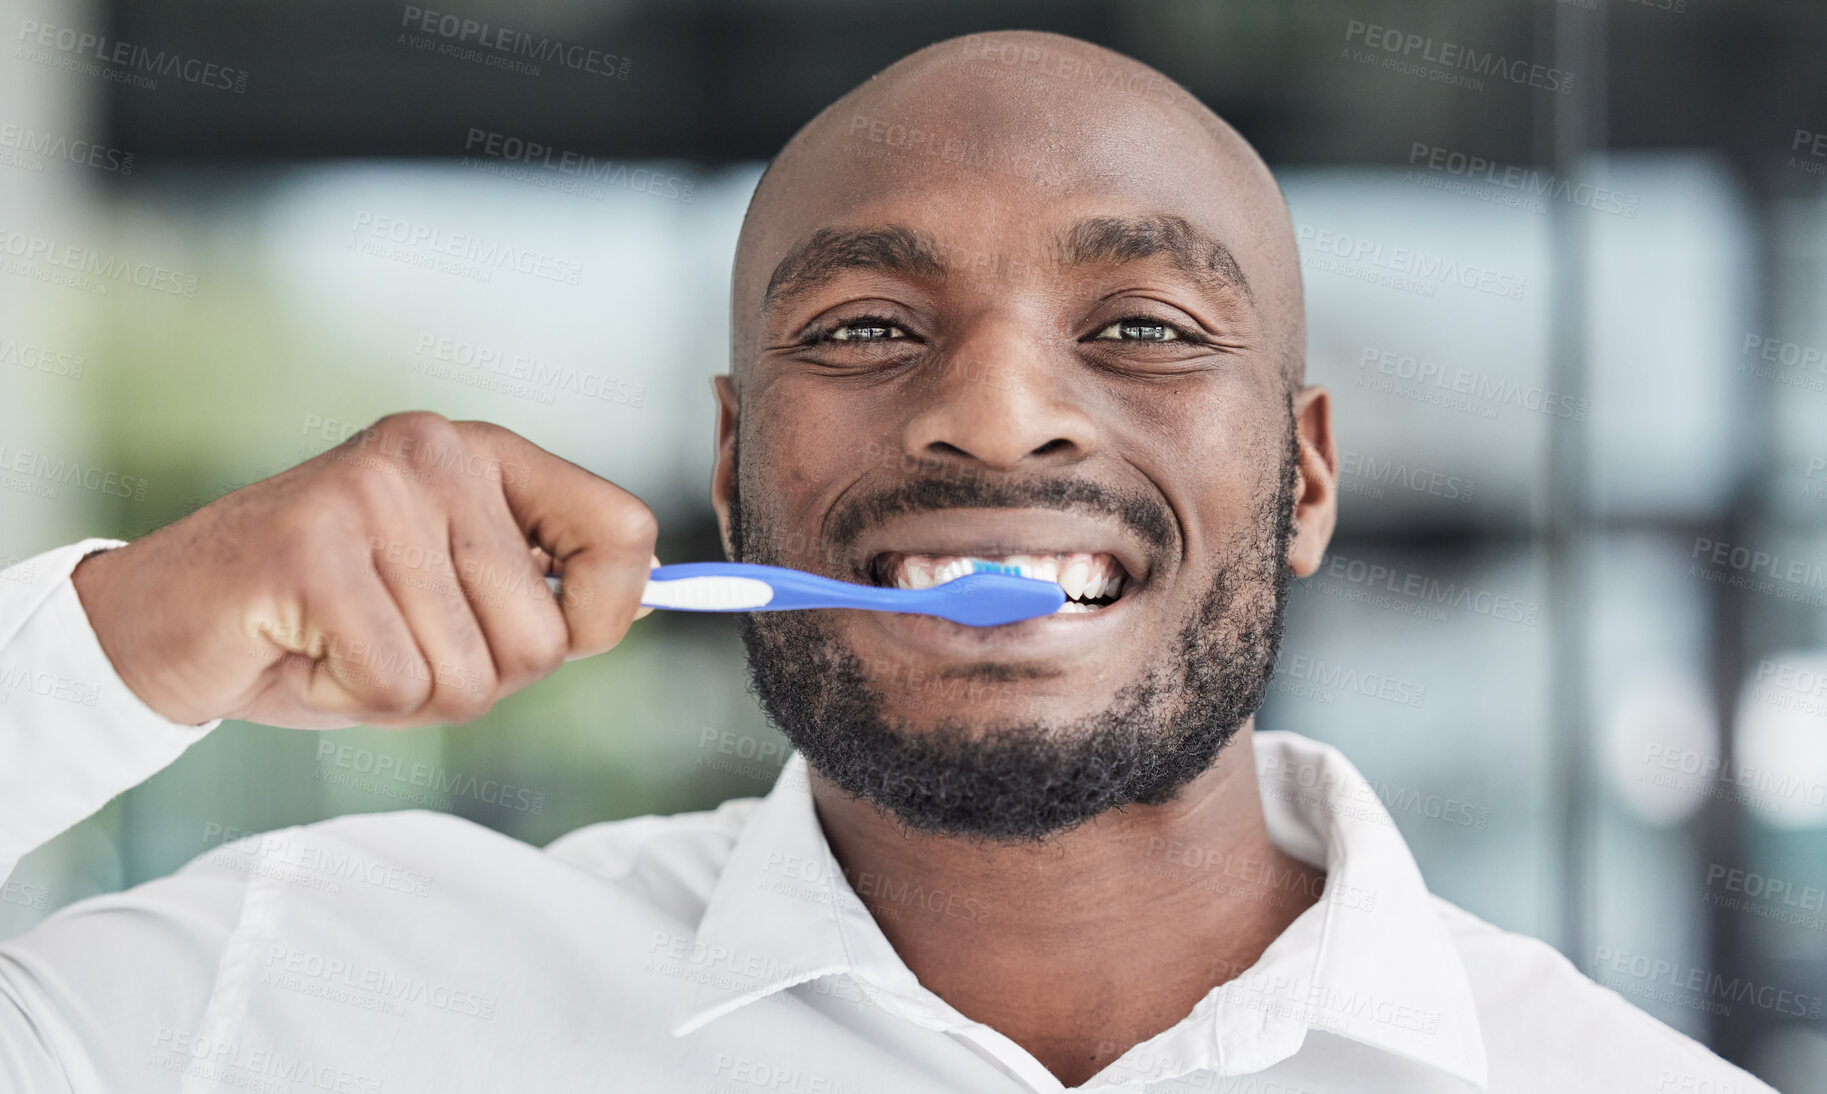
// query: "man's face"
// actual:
[[1061, 362]]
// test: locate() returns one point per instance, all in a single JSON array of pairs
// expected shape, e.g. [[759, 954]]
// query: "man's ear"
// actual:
[[1316, 481], [723, 472]]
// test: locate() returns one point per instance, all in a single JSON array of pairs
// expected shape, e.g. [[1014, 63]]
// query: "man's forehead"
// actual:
[[942, 248], [946, 146], [991, 169], [1042, 202]]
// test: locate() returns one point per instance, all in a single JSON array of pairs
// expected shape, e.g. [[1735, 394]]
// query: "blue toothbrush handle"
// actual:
[[792, 588], [978, 600]]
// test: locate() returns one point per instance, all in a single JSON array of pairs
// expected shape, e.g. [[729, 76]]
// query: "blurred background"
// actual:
[[1572, 310]]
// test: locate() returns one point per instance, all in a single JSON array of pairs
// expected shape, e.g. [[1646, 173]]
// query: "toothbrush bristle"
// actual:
[[978, 566]]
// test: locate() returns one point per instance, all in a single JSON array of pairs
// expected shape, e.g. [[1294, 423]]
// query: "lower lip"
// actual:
[[1041, 637]]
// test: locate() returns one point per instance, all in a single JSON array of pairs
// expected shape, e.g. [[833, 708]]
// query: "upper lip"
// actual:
[[990, 533]]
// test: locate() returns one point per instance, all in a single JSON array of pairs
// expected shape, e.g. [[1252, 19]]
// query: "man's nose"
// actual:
[[1003, 399]]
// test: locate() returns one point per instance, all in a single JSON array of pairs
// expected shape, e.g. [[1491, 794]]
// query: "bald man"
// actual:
[[1016, 298]]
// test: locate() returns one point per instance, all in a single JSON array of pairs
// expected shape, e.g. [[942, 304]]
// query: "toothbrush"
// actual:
[[990, 595]]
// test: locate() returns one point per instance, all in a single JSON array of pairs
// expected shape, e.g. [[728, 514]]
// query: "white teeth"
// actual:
[[1082, 575]]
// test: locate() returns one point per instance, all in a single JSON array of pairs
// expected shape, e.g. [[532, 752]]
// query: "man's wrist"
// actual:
[[94, 579]]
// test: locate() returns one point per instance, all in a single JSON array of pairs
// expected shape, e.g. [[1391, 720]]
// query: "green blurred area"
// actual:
[[202, 399]]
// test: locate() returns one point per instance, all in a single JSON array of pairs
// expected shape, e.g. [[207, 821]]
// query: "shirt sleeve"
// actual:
[[104, 994], [72, 734]]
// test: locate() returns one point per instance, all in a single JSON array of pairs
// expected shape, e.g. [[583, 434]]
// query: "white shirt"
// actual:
[[720, 952]]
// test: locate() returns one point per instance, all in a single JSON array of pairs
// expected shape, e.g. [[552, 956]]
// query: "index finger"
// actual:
[[600, 537]]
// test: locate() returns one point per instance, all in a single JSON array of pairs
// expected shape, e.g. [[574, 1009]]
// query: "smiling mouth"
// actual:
[[1092, 580]]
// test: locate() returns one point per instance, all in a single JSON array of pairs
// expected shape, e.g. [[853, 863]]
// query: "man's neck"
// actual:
[[1079, 948]]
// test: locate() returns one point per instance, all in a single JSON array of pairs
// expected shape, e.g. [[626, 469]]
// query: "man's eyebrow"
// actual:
[[831, 251], [1130, 239]]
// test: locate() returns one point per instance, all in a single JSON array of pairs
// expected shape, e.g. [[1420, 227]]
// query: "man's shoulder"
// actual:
[[416, 851], [1537, 1013], [616, 848]]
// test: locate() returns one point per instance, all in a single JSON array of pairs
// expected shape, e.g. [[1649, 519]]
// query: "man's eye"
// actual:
[[1138, 330], [865, 330]]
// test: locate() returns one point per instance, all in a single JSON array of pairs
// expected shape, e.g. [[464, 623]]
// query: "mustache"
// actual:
[[1141, 513]]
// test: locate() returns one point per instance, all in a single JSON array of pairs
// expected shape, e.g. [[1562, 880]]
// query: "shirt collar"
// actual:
[[771, 921], [1387, 972], [1370, 961]]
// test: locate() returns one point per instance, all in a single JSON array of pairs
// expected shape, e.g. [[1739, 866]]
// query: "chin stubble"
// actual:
[[1016, 781]]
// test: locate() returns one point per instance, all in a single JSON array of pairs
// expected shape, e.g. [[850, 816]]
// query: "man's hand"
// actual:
[[395, 580]]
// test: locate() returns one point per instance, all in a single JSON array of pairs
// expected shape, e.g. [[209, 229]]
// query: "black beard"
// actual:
[[1024, 781]]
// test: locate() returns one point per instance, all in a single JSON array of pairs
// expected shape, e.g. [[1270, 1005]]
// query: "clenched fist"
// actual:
[[395, 580]]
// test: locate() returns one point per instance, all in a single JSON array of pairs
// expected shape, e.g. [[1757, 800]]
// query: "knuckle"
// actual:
[[464, 695], [419, 441], [378, 493], [478, 431], [310, 530], [414, 423], [395, 694], [609, 632], [538, 652], [633, 525]]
